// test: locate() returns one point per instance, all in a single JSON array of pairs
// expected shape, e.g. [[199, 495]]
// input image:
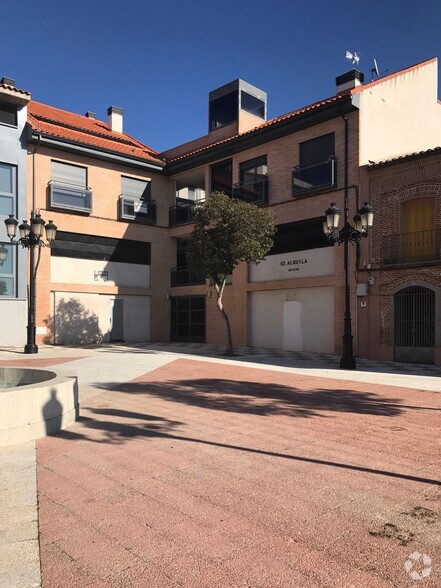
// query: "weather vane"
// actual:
[[355, 57]]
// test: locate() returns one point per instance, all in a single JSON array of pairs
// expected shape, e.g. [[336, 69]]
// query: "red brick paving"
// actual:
[[208, 475], [38, 362]]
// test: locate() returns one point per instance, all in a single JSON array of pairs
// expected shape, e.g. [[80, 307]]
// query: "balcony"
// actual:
[[253, 192], [181, 276], [137, 210], [412, 248], [70, 197], [313, 177], [181, 214]]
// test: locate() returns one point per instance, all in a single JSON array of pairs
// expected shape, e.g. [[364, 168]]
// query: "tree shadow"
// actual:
[[156, 427], [73, 324], [250, 397]]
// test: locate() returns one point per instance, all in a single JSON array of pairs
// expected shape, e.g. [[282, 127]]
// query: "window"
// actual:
[[224, 110], [299, 236], [222, 177], [7, 189], [418, 227], [251, 104], [140, 189], [68, 188], [79, 246], [8, 114], [7, 280], [317, 165], [135, 200], [253, 185]]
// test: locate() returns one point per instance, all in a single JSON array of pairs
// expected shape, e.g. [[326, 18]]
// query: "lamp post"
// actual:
[[363, 222], [30, 238]]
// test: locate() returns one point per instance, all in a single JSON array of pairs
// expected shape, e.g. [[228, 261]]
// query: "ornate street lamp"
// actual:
[[363, 222], [30, 238]]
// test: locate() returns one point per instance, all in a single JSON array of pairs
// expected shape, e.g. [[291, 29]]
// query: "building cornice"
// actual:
[[47, 140]]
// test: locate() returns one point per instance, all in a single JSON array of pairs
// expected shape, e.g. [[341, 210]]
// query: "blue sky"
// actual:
[[158, 60]]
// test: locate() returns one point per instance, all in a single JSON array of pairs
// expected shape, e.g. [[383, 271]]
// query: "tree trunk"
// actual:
[[219, 292]]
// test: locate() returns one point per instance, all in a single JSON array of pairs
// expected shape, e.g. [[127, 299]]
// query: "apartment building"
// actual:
[[117, 270], [13, 200], [401, 319], [107, 195], [295, 165]]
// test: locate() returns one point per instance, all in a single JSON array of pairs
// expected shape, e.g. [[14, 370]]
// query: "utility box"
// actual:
[[362, 289]]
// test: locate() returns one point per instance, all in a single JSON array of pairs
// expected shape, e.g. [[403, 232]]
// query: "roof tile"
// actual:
[[87, 131]]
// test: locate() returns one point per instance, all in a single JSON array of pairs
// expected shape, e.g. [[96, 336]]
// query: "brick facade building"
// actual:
[[403, 313], [118, 270]]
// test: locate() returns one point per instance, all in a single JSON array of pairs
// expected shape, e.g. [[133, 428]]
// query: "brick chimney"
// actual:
[[115, 119], [349, 80]]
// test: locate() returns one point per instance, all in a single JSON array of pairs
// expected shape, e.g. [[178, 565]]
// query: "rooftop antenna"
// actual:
[[355, 57], [375, 71]]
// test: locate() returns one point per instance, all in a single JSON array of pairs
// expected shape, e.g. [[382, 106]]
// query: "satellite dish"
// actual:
[[375, 68], [376, 72], [355, 57]]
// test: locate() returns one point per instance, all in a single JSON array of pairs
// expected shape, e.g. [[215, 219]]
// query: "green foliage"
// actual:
[[227, 232]]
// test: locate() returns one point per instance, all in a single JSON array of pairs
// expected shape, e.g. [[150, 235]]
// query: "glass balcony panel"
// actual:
[[313, 177], [181, 214], [137, 210], [183, 277], [254, 192], [70, 196]]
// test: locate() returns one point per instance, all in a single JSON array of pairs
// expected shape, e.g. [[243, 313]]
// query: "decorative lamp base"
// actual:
[[31, 348]]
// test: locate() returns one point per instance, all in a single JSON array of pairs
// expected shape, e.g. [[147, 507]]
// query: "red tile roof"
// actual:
[[87, 131], [13, 89], [406, 157], [269, 123], [313, 106]]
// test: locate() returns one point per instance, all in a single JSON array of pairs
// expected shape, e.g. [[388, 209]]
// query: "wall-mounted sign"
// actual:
[[298, 264], [100, 276]]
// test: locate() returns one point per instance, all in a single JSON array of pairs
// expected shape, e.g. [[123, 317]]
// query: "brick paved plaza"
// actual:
[[206, 474], [200, 472]]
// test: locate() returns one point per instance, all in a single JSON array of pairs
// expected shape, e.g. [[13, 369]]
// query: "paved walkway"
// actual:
[[190, 471]]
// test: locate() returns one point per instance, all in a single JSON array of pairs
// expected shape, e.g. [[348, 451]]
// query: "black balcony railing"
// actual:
[[416, 247], [313, 177], [138, 210], [181, 213], [182, 276], [253, 192]]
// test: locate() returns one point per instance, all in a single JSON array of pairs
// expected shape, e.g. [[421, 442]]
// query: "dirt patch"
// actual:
[[423, 514], [391, 531]]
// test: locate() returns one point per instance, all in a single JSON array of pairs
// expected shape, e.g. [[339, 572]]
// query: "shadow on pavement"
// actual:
[[118, 433], [258, 398]]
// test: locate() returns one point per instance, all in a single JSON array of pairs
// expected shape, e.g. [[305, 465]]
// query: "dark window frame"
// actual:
[[9, 109], [317, 162], [299, 236], [221, 164], [228, 104], [250, 109], [67, 187]]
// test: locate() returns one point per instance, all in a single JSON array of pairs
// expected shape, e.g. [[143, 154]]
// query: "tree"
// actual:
[[227, 232]]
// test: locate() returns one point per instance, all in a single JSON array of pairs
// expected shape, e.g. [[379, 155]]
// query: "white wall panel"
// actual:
[[299, 319], [66, 270]]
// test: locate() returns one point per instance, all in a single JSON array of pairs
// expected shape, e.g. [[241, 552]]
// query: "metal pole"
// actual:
[[347, 362], [30, 346]]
